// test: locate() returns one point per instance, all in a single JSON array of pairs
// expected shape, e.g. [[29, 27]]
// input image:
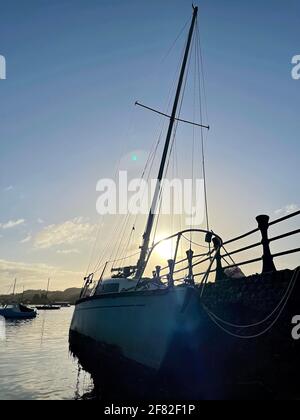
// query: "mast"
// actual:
[[48, 287], [14, 289], [146, 237]]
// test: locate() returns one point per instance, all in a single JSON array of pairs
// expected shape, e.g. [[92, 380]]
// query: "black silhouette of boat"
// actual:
[[197, 328]]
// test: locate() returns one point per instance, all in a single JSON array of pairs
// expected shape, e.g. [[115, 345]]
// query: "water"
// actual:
[[35, 363]]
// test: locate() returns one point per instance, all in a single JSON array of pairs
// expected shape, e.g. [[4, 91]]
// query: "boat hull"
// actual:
[[48, 308], [138, 325], [12, 314], [165, 342], [158, 339]]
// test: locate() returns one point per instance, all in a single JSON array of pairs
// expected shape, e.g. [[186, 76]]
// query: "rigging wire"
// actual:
[[119, 223], [121, 238], [108, 243], [230, 257], [201, 71], [173, 138], [116, 222], [174, 43], [150, 163], [100, 259], [123, 223], [195, 243], [128, 244], [193, 142], [152, 156]]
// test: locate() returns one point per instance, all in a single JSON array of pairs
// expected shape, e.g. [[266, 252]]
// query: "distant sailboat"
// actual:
[[17, 310], [48, 307]]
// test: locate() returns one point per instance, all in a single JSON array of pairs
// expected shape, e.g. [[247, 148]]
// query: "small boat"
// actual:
[[17, 311], [49, 306], [63, 304]]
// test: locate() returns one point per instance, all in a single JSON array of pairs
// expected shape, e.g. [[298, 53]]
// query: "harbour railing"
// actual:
[[212, 259], [218, 260], [267, 257]]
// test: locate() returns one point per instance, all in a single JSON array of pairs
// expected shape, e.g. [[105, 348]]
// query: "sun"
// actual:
[[165, 250]]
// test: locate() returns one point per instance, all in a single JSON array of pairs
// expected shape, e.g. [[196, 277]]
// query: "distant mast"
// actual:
[[15, 285], [146, 237], [47, 288]]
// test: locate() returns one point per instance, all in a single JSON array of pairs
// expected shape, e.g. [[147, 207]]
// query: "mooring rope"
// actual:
[[218, 321]]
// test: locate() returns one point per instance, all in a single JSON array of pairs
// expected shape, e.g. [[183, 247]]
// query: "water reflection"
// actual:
[[35, 362]]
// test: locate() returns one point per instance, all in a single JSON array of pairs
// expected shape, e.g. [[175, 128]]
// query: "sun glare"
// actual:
[[165, 250]]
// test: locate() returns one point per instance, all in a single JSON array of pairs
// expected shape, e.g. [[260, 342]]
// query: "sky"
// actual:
[[67, 117]]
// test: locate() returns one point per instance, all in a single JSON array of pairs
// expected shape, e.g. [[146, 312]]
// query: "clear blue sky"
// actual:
[[74, 70]]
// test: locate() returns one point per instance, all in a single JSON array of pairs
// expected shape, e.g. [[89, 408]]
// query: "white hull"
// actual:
[[140, 325]]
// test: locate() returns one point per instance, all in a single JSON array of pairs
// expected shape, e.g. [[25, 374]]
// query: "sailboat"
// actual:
[[17, 310], [175, 330], [48, 307]]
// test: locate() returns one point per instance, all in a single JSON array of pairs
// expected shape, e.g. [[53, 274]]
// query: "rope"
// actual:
[[287, 296], [194, 243]]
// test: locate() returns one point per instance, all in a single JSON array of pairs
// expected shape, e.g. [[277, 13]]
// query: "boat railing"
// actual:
[[184, 270], [199, 267], [217, 255]]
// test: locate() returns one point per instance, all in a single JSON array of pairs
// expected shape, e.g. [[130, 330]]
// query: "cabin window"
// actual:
[[110, 288]]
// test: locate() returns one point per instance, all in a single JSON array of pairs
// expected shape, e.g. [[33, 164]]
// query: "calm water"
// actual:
[[35, 361]]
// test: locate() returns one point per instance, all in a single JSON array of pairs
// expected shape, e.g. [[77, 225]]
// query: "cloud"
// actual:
[[9, 188], [67, 233], [288, 209], [35, 274], [67, 251], [40, 221], [26, 239], [12, 223]]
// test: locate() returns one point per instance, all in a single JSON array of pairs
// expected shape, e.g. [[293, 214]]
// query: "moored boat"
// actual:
[[17, 311], [196, 327], [48, 306]]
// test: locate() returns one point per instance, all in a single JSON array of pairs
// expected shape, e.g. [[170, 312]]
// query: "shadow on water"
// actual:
[[117, 379]]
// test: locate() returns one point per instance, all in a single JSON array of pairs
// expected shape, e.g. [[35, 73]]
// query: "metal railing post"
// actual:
[[220, 275], [190, 255], [171, 264], [263, 225]]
